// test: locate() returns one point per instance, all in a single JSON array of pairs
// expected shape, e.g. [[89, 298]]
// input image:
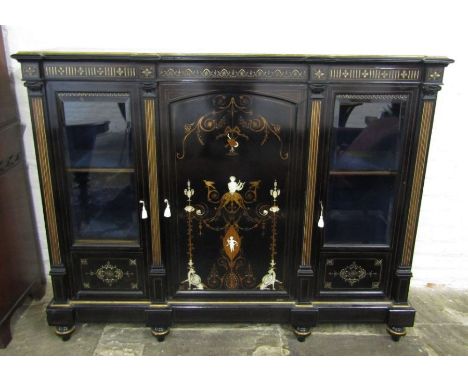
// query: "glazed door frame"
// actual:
[[292, 93], [130, 259], [389, 254]]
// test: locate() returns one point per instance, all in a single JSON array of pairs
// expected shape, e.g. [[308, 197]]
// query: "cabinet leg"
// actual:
[[64, 332], [302, 333], [160, 332], [396, 332]]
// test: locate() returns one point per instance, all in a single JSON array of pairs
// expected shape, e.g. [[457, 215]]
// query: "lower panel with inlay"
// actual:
[[348, 274], [102, 275]]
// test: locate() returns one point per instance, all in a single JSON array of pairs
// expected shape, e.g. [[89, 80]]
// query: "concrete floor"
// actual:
[[441, 329]]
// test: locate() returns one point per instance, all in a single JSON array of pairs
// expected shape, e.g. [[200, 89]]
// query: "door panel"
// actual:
[[97, 135], [366, 142], [231, 154], [367, 135]]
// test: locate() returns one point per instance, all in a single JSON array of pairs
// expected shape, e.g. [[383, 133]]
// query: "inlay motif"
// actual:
[[233, 121]]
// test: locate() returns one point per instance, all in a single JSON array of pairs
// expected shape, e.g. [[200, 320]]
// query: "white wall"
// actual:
[[354, 27]]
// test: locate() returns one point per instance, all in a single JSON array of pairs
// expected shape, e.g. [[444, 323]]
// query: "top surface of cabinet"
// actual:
[[287, 68], [46, 55]]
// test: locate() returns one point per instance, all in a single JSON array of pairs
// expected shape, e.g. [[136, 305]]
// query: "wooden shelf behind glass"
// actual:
[[101, 170], [362, 173]]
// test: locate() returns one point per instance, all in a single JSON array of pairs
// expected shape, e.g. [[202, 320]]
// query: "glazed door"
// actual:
[[96, 140], [367, 136], [230, 154]]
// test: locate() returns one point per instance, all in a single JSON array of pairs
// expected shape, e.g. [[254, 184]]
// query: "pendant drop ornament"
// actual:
[[144, 213], [321, 223], [167, 211]]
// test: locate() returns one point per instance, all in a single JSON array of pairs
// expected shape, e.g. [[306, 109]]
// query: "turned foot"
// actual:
[[64, 332], [301, 333], [160, 332], [396, 332]]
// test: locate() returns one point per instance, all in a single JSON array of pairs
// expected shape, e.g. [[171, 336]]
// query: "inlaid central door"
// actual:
[[231, 203]]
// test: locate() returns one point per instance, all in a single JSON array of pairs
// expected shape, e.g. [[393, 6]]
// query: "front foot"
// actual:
[[64, 332], [160, 332], [396, 332], [301, 333]]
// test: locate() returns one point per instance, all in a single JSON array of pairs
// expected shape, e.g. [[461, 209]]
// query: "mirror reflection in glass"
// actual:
[[359, 210], [366, 135], [103, 206], [98, 133]]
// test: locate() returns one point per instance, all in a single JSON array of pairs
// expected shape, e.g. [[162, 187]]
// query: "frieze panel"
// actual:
[[244, 72], [323, 73], [104, 70]]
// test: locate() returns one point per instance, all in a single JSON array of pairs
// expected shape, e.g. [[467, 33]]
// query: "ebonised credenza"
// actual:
[[202, 188]]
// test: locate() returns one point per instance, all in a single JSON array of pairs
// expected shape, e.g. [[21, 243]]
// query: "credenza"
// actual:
[[228, 188]]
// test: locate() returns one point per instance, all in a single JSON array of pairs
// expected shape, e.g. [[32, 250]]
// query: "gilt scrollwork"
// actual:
[[232, 214], [233, 121]]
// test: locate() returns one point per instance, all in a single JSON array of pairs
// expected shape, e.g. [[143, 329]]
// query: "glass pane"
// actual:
[[359, 209], [366, 135], [103, 206], [98, 132]]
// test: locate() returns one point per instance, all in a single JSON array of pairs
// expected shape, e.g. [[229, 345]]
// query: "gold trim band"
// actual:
[[415, 201], [311, 180], [153, 180], [47, 191]]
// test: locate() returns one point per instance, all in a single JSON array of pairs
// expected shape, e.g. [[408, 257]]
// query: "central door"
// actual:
[[232, 192]]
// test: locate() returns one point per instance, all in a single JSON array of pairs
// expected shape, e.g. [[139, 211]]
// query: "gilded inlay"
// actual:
[[150, 125], [233, 120], [435, 74], [418, 178], [311, 180], [47, 191], [30, 70], [369, 74], [319, 74], [91, 94], [87, 70], [402, 97], [109, 274], [231, 213], [238, 73], [352, 273]]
